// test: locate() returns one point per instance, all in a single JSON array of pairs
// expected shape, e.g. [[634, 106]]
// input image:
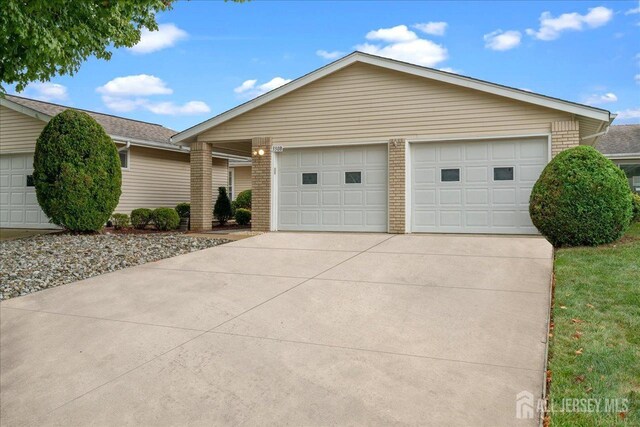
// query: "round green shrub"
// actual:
[[581, 198], [76, 171], [222, 208], [183, 209], [120, 221], [141, 217], [165, 219], [636, 207], [243, 216], [243, 200]]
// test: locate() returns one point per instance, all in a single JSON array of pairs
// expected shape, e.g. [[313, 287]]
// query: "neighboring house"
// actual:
[[154, 172], [373, 144], [621, 144]]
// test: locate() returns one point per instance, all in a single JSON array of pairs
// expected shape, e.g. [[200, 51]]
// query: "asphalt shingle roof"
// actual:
[[621, 139], [113, 125]]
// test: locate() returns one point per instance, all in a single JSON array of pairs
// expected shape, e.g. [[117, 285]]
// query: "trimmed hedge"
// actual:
[[183, 209], [76, 171], [165, 219], [581, 198], [243, 216], [141, 217], [222, 208], [243, 200], [636, 207], [120, 221]]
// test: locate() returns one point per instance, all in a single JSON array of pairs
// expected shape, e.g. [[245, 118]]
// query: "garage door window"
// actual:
[[309, 178], [449, 175], [30, 181], [353, 177], [503, 174]]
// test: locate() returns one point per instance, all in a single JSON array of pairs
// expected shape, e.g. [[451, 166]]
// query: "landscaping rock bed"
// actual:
[[32, 264]]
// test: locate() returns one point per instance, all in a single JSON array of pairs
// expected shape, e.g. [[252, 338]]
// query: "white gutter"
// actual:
[[623, 156]]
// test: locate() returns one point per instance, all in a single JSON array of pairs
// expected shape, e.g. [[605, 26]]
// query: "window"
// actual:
[[30, 181], [449, 175], [353, 177], [231, 184], [503, 174], [124, 158], [632, 171], [309, 178]]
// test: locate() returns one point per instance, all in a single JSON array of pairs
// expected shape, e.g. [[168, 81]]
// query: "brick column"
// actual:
[[564, 135], [397, 187], [201, 187], [261, 184]]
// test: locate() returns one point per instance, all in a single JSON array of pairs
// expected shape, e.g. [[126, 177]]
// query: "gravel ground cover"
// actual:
[[32, 264]]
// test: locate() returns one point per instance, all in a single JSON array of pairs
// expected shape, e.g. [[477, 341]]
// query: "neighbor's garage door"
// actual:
[[475, 186], [18, 204], [333, 189]]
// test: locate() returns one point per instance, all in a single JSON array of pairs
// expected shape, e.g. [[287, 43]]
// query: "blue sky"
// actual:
[[211, 56]]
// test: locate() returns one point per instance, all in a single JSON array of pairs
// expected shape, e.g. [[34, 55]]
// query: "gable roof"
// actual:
[[595, 118], [621, 140], [116, 127]]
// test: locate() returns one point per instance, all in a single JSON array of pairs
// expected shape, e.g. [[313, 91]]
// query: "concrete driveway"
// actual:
[[288, 328]]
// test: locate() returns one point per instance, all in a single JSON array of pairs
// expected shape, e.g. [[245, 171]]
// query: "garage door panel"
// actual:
[[476, 203], [17, 199], [333, 204]]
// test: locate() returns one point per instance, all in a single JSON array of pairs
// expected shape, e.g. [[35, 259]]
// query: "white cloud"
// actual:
[[551, 28], [329, 55], [399, 33], [245, 86], [633, 11], [129, 93], [138, 85], [169, 108], [47, 91], [433, 28], [502, 40], [167, 35], [249, 89], [601, 99], [628, 114], [420, 51], [637, 78]]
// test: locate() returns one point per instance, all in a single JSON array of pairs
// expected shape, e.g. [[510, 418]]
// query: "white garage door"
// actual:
[[18, 204], [333, 189], [475, 186]]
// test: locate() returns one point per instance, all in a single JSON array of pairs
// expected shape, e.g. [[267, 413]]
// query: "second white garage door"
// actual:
[[333, 189], [475, 186]]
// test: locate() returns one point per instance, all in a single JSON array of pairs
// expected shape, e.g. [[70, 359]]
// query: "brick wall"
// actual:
[[201, 186], [564, 135], [261, 185], [397, 190]]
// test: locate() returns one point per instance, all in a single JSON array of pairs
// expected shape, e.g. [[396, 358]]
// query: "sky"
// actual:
[[209, 57]]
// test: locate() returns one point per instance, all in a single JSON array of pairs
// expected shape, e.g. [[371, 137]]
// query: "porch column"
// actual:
[[201, 186], [564, 135], [397, 186], [261, 184]]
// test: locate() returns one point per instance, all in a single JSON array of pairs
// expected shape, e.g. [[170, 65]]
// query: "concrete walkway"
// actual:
[[288, 328]]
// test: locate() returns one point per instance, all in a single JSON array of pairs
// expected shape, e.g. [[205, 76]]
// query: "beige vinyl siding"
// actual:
[[157, 178], [242, 178], [18, 132], [364, 103], [219, 175]]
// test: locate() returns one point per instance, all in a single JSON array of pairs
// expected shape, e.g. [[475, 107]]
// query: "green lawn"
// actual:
[[594, 350]]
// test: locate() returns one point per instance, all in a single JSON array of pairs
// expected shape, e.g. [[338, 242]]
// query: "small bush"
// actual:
[[165, 219], [243, 216], [243, 200], [76, 172], [140, 218], [120, 221], [581, 198], [183, 209], [636, 207], [222, 208]]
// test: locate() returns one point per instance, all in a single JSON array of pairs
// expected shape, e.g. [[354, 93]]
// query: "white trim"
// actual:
[[478, 138], [549, 148], [455, 79], [24, 110], [231, 182], [623, 156], [334, 144], [407, 187], [275, 157]]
